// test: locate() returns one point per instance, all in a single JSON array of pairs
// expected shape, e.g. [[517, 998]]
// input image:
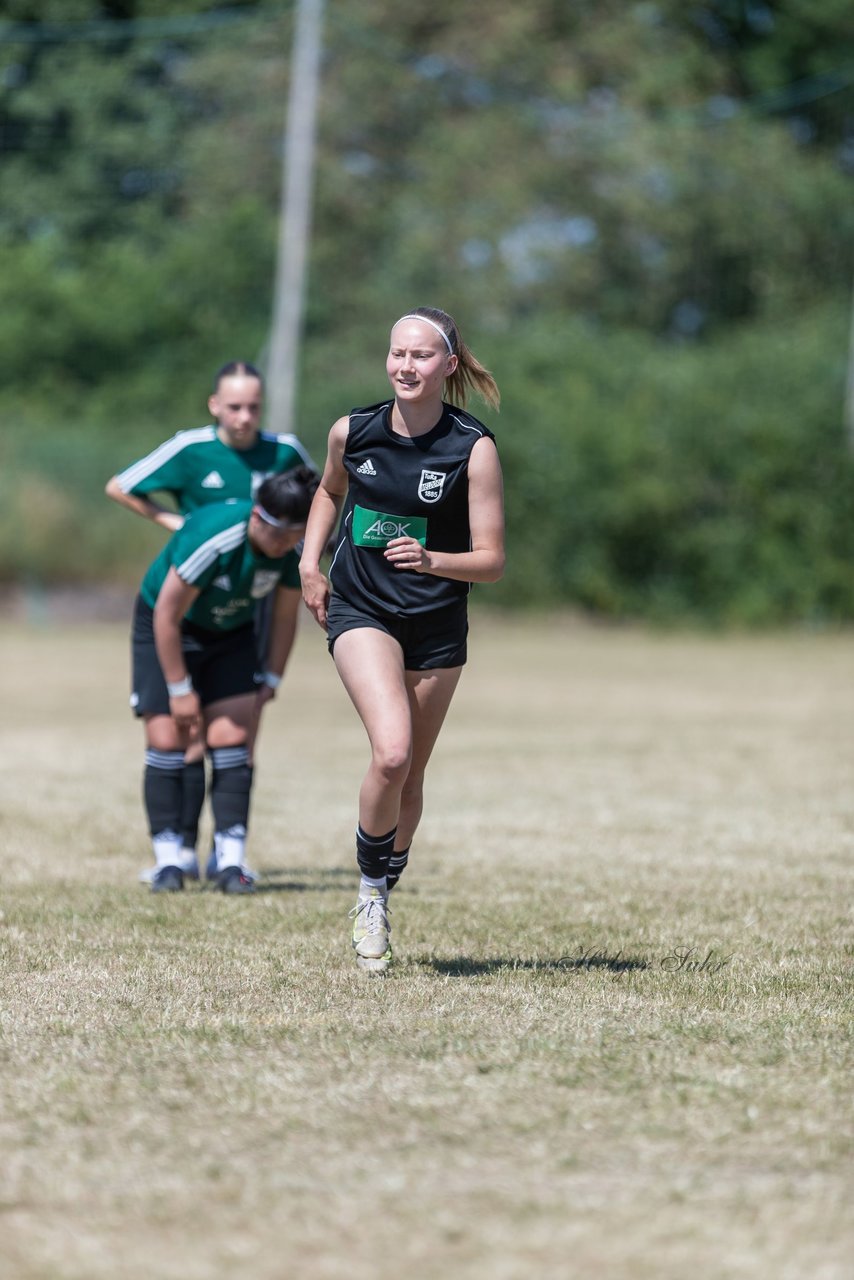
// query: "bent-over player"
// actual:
[[194, 663], [229, 458]]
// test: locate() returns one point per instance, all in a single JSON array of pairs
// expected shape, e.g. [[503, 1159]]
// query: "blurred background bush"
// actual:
[[641, 215]]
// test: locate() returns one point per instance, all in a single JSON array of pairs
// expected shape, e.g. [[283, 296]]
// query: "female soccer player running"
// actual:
[[420, 485]]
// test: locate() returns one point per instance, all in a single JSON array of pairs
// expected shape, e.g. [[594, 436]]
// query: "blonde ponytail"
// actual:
[[469, 374]]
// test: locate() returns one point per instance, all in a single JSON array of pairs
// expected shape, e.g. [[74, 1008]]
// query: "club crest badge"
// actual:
[[264, 582], [431, 485]]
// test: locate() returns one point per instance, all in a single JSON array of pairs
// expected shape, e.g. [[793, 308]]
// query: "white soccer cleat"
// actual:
[[371, 931]]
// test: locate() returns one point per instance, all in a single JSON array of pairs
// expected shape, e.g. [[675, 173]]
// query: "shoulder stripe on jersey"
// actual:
[[138, 471], [203, 557], [370, 410], [466, 425], [296, 445]]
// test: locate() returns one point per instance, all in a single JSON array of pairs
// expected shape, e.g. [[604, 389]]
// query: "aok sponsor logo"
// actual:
[[378, 528], [385, 530], [223, 612]]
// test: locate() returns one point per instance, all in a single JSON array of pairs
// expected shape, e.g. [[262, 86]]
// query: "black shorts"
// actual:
[[222, 664], [262, 625], [428, 640]]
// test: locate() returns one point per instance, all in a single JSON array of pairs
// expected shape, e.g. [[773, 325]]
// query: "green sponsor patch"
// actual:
[[377, 528]]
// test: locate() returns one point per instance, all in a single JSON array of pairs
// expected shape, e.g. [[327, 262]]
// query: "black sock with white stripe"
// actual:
[[396, 867], [231, 788], [192, 802], [372, 855], [162, 791]]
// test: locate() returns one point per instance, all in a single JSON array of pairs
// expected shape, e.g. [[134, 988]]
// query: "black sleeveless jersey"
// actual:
[[402, 486]]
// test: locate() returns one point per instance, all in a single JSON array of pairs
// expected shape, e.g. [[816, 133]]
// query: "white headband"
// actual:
[[268, 519], [432, 324]]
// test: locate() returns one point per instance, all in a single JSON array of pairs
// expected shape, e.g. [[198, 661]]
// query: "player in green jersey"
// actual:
[[227, 459], [419, 482], [194, 662]]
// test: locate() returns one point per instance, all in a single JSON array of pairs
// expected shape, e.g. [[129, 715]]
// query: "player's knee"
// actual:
[[391, 760], [161, 734], [221, 738]]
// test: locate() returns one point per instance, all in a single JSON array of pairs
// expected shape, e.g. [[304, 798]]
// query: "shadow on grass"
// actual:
[[306, 880], [314, 880], [465, 967]]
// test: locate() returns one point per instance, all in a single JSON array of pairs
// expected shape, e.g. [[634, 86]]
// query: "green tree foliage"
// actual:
[[641, 215], [634, 486]]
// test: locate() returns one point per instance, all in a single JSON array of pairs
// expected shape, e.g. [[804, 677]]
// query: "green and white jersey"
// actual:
[[212, 552], [197, 469]]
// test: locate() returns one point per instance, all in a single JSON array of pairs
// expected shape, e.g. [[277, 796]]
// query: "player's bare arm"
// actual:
[[166, 518], [485, 561], [175, 598], [325, 509], [282, 635]]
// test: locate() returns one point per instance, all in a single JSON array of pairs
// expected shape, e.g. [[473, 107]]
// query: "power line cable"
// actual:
[[801, 92], [798, 93], [95, 30]]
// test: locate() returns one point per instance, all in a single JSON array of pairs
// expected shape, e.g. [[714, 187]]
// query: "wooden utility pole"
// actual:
[[849, 386], [294, 216]]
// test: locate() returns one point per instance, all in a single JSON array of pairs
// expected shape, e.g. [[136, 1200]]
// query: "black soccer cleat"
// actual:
[[235, 880], [167, 880]]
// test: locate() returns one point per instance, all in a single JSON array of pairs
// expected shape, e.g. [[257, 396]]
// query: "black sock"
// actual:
[[373, 853], [192, 802], [396, 867], [162, 790], [231, 787]]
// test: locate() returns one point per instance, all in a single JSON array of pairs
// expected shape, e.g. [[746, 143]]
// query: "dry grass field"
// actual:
[[616, 1040]]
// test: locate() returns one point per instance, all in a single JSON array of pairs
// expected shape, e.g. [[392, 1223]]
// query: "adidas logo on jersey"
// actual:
[[366, 469], [213, 480], [223, 582]]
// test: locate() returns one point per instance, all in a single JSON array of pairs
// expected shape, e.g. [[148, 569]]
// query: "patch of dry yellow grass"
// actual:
[[616, 1039]]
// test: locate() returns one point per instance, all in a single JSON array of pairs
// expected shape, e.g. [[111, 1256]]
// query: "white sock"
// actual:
[[231, 847], [167, 849], [367, 886], [188, 858]]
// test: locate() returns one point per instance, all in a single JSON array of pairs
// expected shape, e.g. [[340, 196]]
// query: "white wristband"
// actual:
[[271, 680], [177, 688]]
